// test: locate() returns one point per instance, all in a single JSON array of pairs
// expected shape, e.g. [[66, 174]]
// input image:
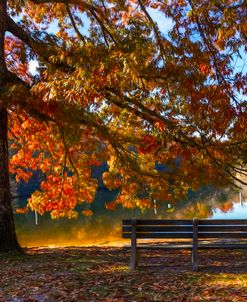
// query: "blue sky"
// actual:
[[165, 24]]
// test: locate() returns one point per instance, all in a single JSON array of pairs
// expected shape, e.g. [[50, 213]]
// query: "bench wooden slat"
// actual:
[[160, 235], [222, 235], [183, 228], [222, 228], [189, 246], [168, 247], [186, 222], [223, 246], [175, 235], [158, 222], [159, 228], [222, 222]]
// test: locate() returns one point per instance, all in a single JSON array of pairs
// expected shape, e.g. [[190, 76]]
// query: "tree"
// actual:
[[125, 92]]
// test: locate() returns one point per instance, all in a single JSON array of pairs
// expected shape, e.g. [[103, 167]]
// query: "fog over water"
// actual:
[[104, 227]]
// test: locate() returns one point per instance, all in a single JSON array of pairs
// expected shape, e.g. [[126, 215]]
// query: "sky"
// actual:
[[165, 24], [239, 211]]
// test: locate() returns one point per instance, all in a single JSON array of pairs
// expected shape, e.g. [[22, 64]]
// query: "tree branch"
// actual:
[[155, 28], [80, 36], [39, 47]]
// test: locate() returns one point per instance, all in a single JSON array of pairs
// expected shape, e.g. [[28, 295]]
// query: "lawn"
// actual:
[[101, 274]]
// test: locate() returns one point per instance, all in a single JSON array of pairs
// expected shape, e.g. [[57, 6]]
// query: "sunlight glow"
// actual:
[[33, 65]]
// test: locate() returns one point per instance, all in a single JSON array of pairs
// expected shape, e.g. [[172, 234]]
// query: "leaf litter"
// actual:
[[94, 273]]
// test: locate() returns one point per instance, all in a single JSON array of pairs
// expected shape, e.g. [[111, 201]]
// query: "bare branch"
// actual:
[[155, 28], [80, 36]]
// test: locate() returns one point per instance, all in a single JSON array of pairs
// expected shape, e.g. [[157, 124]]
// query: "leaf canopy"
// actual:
[[165, 108]]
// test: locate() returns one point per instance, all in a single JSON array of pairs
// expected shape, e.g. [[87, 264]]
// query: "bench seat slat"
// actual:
[[159, 228], [158, 222], [222, 228], [160, 235], [186, 222], [222, 222], [189, 246], [182, 228], [166, 247], [222, 235], [175, 235], [223, 246]]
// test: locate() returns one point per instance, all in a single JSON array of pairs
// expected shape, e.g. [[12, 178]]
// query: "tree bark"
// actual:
[[8, 240]]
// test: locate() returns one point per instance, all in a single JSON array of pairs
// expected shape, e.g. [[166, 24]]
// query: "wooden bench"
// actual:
[[195, 231]]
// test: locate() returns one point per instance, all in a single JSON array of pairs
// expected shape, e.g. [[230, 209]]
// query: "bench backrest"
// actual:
[[159, 228]]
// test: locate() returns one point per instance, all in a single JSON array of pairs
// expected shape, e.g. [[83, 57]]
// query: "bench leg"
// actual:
[[194, 253], [194, 260], [133, 258]]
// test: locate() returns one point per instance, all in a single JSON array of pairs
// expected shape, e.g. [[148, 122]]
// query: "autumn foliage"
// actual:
[[165, 108]]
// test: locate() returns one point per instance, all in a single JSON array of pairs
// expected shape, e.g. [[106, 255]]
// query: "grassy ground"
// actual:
[[102, 274]]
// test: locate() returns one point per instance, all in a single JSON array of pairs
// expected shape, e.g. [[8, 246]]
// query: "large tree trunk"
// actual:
[[8, 240]]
